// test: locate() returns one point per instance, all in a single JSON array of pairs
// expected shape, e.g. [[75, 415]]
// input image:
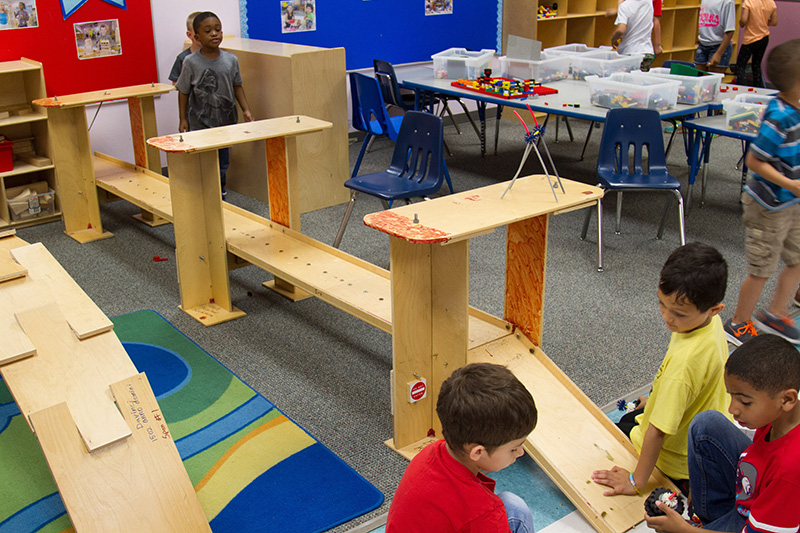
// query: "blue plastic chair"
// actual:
[[417, 167], [369, 113], [639, 130]]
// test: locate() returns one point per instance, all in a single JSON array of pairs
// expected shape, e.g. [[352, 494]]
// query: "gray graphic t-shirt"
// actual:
[[209, 84]]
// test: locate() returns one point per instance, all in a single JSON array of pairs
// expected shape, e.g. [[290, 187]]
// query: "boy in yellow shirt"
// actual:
[[690, 378]]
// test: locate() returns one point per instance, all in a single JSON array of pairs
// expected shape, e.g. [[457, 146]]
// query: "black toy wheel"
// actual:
[[661, 494]]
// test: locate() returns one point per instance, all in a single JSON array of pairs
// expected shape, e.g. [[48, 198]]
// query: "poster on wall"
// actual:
[[298, 15], [438, 7], [100, 38], [15, 15]]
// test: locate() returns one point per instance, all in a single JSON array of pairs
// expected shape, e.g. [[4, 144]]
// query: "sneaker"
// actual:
[[224, 194], [739, 333], [782, 326]]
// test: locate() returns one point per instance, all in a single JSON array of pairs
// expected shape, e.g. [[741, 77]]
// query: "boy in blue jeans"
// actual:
[[771, 209], [739, 485], [486, 415], [716, 24]]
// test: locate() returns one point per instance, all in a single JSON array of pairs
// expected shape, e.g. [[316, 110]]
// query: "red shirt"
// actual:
[[439, 494], [656, 8]]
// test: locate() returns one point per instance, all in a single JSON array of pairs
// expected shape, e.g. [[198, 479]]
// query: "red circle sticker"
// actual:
[[418, 390]]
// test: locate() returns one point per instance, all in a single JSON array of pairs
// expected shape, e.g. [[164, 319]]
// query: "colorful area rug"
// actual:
[[253, 468]]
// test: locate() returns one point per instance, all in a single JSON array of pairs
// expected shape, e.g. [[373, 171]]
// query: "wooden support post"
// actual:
[[202, 258], [526, 259], [142, 112], [77, 191], [284, 207], [429, 339]]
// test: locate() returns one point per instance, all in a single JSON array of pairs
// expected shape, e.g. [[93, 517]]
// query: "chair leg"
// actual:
[[346, 218], [361, 155], [681, 219], [446, 109], [369, 146], [450, 153], [599, 235], [619, 211], [672, 136]]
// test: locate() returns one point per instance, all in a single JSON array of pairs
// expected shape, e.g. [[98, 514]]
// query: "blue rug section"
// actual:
[[166, 370], [283, 514], [35, 516]]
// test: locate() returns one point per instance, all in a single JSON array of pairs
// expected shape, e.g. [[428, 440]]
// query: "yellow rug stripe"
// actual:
[[253, 455]]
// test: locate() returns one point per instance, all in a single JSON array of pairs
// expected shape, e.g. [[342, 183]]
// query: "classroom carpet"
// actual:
[[253, 468]]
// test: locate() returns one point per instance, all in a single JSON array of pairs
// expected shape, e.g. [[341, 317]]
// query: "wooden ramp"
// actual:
[[572, 437], [97, 420]]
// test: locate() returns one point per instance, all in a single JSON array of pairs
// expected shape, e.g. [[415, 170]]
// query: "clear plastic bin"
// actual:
[[694, 89], [459, 63], [547, 69], [603, 63], [35, 200], [623, 89], [745, 111], [573, 49]]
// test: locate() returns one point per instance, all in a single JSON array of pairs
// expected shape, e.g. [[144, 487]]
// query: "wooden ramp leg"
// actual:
[[143, 126]]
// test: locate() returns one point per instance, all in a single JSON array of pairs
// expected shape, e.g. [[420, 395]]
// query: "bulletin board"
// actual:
[[397, 31], [52, 43]]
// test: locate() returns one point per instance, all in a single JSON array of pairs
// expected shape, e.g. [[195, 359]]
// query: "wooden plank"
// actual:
[[8, 232], [139, 186], [69, 370], [572, 437], [9, 268], [107, 95], [224, 136], [467, 214], [526, 259], [53, 283], [137, 484]]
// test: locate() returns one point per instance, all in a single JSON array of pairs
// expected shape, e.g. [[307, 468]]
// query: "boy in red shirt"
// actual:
[[486, 415]]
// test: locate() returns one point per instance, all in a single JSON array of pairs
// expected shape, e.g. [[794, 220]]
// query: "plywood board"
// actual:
[[572, 437], [467, 214], [137, 484], [93, 97], [137, 185], [66, 369], [9, 268], [53, 283]]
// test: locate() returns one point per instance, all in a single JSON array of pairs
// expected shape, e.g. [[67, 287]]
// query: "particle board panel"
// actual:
[[470, 213], [526, 258], [66, 369], [573, 436], [136, 484], [53, 283]]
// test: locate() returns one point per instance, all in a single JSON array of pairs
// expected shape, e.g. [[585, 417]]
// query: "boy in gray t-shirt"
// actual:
[[716, 24], [209, 86]]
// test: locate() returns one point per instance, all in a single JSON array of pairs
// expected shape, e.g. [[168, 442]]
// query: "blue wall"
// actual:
[[393, 30]]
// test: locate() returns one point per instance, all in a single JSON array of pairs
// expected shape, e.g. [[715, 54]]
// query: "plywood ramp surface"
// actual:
[[134, 184], [53, 283], [136, 484], [573, 437], [66, 369], [9, 268], [92, 97]]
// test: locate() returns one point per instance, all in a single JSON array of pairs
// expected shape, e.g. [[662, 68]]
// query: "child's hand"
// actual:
[[671, 522], [617, 478], [248, 116], [183, 126]]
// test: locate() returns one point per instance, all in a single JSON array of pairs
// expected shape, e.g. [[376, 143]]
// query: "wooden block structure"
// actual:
[[430, 321], [72, 153], [96, 418]]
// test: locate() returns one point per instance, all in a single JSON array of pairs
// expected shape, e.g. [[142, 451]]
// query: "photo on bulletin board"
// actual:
[[438, 7], [298, 15], [14, 15], [100, 38]]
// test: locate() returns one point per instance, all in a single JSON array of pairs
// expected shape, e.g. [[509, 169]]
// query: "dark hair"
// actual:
[[696, 272], [783, 65], [768, 363], [484, 404], [200, 17]]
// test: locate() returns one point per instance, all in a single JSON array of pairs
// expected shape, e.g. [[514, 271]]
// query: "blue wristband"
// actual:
[[633, 483]]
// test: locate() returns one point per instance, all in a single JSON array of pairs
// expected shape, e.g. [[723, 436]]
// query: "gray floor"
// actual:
[[330, 372]]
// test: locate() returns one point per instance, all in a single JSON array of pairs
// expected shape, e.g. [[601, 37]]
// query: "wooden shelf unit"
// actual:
[[21, 82], [584, 21]]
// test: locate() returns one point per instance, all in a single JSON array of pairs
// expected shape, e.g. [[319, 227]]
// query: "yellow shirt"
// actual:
[[757, 27], [689, 380]]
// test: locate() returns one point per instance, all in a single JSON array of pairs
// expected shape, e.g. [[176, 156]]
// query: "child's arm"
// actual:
[[183, 123], [768, 172], [726, 40], [619, 479], [773, 18], [657, 48], [744, 17], [238, 91], [617, 37]]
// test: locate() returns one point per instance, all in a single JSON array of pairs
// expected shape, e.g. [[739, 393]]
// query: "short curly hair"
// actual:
[[783, 65], [697, 273], [768, 363]]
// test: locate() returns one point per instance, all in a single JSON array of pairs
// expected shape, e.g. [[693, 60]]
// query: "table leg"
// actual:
[[430, 311], [482, 117], [497, 127], [693, 149], [72, 155], [142, 113], [706, 156], [526, 256], [284, 205], [201, 253]]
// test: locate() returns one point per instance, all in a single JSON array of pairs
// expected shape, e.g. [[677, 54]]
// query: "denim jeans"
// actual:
[[715, 445], [520, 518], [224, 161]]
